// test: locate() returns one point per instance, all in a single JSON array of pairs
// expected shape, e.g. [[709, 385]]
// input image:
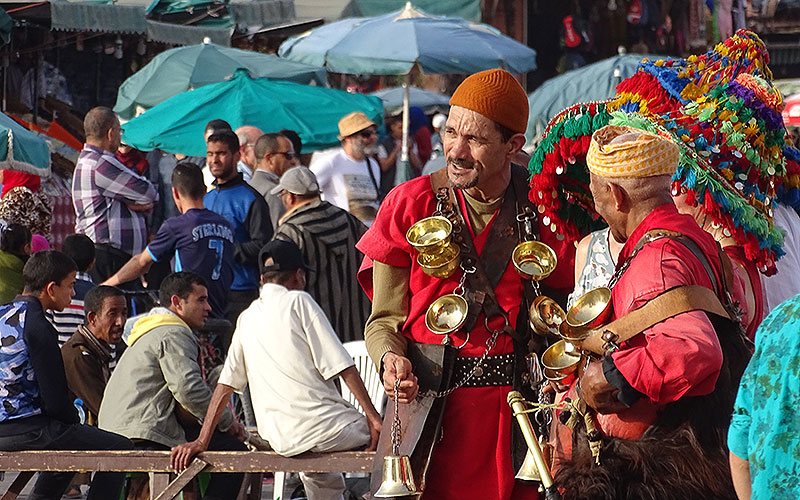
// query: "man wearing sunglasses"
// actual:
[[348, 177], [274, 155]]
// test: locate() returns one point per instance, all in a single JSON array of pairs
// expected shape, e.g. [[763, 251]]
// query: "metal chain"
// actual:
[[624, 267], [396, 420], [490, 342]]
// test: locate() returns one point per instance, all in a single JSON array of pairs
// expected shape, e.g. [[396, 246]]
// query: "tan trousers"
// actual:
[[330, 486]]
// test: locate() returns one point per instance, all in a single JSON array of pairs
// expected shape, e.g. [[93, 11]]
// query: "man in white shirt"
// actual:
[[286, 349], [348, 177], [248, 135]]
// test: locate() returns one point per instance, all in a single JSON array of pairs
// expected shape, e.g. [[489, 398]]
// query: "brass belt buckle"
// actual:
[[610, 340]]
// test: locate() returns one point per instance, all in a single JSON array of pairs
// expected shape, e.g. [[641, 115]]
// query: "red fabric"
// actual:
[[754, 318], [422, 138], [12, 179], [477, 421], [133, 159], [56, 131], [680, 356]]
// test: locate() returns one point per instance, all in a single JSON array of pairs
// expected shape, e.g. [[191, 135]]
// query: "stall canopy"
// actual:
[[333, 10], [177, 22]]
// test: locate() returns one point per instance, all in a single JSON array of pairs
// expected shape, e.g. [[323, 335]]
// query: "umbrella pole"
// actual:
[[406, 91]]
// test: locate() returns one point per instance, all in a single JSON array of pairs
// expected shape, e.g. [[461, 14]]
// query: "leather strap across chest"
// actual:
[[501, 240], [670, 303]]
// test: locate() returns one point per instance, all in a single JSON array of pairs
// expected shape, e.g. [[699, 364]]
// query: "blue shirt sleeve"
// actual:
[[163, 245]]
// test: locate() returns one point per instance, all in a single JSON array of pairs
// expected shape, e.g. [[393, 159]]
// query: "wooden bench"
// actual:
[[253, 463]]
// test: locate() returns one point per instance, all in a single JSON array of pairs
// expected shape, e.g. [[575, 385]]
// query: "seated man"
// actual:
[[37, 412], [88, 353], [156, 395], [287, 350]]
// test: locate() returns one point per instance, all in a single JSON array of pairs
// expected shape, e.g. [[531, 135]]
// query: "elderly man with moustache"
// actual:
[[471, 455]]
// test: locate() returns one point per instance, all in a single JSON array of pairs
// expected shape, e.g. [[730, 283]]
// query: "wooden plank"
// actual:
[[158, 461], [182, 480], [18, 485], [158, 483]]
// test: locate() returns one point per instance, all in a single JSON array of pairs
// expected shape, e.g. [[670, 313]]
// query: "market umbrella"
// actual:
[[176, 125], [22, 150], [791, 113], [392, 44], [430, 102], [184, 68], [594, 82]]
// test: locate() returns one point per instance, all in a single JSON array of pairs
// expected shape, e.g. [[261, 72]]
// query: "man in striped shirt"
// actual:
[[110, 199], [327, 236]]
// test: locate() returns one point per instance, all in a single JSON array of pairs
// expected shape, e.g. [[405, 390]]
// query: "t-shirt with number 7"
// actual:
[[200, 241]]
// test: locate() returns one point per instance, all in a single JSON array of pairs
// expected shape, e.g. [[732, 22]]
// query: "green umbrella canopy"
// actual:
[[22, 150], [177, 124], [184, 68]]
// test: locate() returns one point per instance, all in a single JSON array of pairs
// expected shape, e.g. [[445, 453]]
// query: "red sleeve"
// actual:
[[385, 240], [680, 356]]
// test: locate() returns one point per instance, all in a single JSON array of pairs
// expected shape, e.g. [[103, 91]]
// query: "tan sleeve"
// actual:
[[389, 311]]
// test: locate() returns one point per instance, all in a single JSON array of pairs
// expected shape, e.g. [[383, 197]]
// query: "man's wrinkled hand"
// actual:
[[182, 455], [399, 367], [238, 431], [597, 392], [374, 423]]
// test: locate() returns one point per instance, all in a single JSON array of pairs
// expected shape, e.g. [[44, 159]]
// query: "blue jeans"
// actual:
[[57, 435]]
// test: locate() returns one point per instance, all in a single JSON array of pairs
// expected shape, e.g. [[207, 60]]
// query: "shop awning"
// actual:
[[333, 10], [130, 16]]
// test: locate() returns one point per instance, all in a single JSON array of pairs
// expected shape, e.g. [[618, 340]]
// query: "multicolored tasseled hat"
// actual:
[[723, 111]]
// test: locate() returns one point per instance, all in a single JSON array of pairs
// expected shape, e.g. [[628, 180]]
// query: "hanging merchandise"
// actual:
[[635, 12], [571, 37]]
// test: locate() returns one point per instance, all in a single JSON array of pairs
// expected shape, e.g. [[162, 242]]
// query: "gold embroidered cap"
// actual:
[[629, 152]]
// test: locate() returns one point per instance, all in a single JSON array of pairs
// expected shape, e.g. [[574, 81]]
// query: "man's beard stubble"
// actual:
[[462, 182]]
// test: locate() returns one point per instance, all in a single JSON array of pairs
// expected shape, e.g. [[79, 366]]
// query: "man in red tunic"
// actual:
[[472, 455], [663, 399]]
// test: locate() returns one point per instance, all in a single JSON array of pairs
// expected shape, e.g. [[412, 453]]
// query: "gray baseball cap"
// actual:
[[297, 180]]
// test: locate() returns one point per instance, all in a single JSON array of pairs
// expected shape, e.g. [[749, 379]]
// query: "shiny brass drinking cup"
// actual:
[[534, 260], [446, 314], [592, 310], [562, 358], [440, 265], [430, 235], [545, 316]]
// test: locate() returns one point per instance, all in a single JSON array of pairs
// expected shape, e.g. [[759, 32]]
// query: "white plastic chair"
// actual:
[[372, 381], [369, 374]]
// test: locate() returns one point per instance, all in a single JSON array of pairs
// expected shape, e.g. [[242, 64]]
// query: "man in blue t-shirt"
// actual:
[[198, 240]]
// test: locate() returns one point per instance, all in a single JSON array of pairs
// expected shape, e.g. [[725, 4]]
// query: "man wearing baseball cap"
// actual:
[[470, 457], [348, 176], [327, 236], [285, 349]]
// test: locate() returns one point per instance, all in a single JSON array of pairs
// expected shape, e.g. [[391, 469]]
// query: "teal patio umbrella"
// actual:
[[184, 68], [177, 124], [593, 82], [394, 43], [22, 150], [430, 102]]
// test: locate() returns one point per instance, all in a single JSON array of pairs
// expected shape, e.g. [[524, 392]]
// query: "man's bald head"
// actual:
[[248, 135]]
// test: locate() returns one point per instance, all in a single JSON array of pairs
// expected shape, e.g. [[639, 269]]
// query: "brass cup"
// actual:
[[562, 358], [591, 310], [430, 235], [554, 375], [573, 335], [545, 316], [446, 314], [534, 260], [440, 265]]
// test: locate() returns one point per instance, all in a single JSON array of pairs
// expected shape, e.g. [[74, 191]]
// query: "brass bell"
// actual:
[[398, 481], [529, 470]]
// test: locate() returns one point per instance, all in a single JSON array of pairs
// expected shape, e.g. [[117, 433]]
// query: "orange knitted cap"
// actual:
[[497, 95]]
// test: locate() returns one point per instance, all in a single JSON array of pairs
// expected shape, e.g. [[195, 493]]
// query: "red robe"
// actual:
[[473, 459]]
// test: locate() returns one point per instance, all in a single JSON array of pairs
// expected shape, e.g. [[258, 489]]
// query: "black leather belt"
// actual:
[[494, 371]]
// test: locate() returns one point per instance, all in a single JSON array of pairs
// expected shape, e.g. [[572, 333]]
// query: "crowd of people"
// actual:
[[300, 260]]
